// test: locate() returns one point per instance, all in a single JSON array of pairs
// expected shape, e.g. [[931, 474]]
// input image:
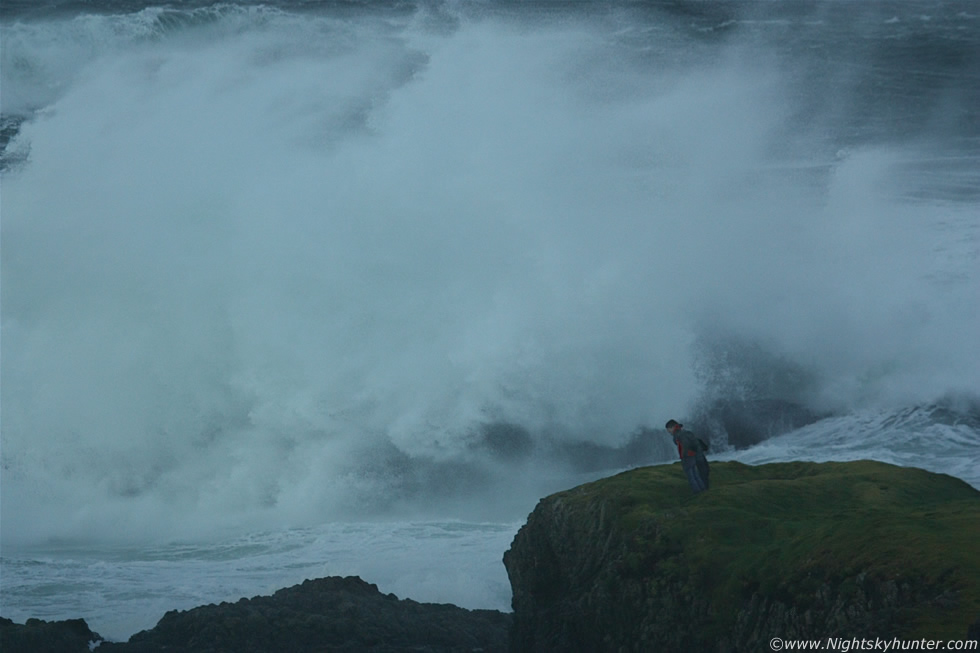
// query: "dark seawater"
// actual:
[[276, 273]]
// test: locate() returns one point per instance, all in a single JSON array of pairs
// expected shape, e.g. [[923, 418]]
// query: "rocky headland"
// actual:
[[635, 562]]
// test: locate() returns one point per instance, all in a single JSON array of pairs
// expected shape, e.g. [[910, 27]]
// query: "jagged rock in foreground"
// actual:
[[327, 614], [635, 562], [39, 636]]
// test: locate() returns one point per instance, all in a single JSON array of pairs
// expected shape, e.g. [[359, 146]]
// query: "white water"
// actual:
[[271, 272], [122, 590]]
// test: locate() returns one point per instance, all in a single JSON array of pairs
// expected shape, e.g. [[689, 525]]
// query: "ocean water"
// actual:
[[308, 288]]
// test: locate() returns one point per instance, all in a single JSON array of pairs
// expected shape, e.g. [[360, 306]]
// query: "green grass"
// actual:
[[782, 528]]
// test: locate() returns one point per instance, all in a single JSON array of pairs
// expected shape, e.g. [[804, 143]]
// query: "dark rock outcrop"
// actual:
[[37, 636], [635, 562], [327, 614]]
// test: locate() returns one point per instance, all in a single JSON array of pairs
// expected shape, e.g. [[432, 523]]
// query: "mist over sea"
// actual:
[[307, 288]]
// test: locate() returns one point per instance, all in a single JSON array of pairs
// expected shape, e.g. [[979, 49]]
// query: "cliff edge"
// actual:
[[635, 562]]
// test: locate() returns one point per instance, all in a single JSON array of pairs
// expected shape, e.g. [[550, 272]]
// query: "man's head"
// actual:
[[673, 425]]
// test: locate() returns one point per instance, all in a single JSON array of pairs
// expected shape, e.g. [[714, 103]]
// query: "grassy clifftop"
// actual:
[[806, 549]]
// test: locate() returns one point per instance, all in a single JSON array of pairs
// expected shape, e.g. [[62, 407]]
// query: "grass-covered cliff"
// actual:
[[636, 562]]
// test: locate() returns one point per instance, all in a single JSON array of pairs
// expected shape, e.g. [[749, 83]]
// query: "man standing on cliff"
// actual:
[[691, 450]]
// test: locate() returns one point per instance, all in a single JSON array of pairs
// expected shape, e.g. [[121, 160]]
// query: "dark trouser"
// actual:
[[703, 470], [696, 470]]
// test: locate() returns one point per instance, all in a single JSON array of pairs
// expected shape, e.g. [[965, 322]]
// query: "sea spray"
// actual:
[[270, 268]]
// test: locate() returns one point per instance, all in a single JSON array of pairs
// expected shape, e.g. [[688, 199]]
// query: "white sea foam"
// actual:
[[912, 438], [263, 270]]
